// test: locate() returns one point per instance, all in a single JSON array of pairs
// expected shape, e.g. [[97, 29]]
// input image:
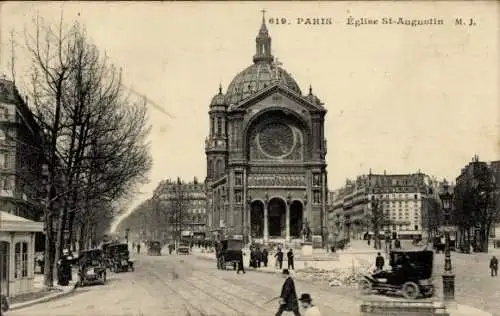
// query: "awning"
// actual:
[[13, 223]]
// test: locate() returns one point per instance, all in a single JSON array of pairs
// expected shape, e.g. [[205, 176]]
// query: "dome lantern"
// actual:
[[263, 44]]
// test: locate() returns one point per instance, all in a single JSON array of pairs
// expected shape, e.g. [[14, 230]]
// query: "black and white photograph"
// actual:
[[226, 158]]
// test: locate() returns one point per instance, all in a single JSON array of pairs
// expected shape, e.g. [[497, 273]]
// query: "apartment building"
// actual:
[[402, 197], [191, 197], [21, 156]]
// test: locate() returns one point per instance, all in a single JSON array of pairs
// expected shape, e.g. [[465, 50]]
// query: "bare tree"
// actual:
[[96, 135], [51, 69], [476, 204]]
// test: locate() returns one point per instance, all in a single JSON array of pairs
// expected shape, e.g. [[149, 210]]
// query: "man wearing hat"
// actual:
[[288, 297], [306, 302]]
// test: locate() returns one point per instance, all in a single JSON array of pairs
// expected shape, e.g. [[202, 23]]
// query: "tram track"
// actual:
[[216, 306], [209, 288]]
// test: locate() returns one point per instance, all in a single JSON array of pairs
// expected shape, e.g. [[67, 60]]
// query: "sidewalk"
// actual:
[[43, 295]]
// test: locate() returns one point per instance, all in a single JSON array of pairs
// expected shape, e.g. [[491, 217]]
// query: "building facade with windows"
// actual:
[[21, 157], [265, 151], [402, 197], [187, 198]]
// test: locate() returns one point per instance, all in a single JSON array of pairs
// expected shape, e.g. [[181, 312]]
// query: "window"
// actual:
[[316, 179], [316, 197], [21, 260], [219, 126], [416, 196], [238, 179], [237, 196], [3, 160], [416, 227], [7, 184]]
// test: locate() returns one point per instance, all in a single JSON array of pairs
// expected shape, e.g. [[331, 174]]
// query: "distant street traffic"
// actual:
[[176, 285]]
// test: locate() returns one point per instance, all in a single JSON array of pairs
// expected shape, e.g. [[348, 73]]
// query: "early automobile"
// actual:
[[120, 258], [107, 253], [92, 267], [410, 274], [229, 252], [183, 248], [154, 248]]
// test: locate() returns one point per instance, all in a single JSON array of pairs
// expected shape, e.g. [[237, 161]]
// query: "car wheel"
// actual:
[[410, 290], [365, 286]]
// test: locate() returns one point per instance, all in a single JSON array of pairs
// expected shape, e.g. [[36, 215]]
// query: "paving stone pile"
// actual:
[[334, 277]]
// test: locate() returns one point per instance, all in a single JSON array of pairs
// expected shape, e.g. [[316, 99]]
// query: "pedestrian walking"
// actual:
[[288, 297], [306, 302], [494, 266], [253, 259], [397, 244], [258, 257], [265, 257], [279, 259], [240, 264], [138, 249], [289, 256], [379, 262]]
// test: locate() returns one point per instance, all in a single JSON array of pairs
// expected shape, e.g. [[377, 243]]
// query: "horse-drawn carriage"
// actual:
[[410, 274], [229, 252]]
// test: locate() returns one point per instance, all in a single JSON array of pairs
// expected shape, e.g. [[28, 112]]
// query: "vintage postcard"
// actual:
[[249, 158]]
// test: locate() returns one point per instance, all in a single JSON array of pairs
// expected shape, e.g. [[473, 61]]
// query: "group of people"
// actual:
[[260, 258], [288, 301]]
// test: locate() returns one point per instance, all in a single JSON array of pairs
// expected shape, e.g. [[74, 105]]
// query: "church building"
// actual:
[[266, 170]]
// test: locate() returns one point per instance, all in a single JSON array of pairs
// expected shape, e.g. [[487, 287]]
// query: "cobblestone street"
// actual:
[[176, 285]]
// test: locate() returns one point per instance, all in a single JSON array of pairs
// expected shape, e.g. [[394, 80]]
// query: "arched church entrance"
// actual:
[[296, 216], [277, 217], [257, 219]]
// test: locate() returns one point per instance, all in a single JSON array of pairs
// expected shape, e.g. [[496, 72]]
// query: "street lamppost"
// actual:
[[448, 276], [127, 231]]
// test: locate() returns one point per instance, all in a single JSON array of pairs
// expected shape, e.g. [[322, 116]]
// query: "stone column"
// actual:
[[287, 221], [266, 222]]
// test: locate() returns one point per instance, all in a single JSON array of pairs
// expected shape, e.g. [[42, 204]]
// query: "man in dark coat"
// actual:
[[289, 256], [265, 256], [288, 298], [253, 261], [379, 262], [279, 259], [240, 266], [397, 244], [494, 266], [258, 257]]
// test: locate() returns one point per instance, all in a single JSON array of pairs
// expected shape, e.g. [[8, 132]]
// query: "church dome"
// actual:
[[257, 77], [264, 72]]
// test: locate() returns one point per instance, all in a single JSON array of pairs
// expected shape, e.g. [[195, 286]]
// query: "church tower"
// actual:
[[217, 154], [266, 150], [216, 143]]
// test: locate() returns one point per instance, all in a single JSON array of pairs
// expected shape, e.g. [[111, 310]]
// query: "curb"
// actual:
[[44, 299]]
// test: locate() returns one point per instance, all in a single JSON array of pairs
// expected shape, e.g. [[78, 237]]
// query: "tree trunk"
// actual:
[[82, 237], [483, 238], [48, 275]]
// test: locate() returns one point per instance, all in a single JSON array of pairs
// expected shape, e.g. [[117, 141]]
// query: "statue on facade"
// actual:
[[306, 231]]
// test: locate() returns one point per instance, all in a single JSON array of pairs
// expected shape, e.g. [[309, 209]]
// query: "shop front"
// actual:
[[17, 252]]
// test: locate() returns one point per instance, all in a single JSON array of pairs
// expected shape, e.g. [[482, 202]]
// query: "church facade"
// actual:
[[266, 170]]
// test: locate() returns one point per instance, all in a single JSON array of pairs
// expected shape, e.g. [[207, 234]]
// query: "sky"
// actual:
[[399, 98]]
